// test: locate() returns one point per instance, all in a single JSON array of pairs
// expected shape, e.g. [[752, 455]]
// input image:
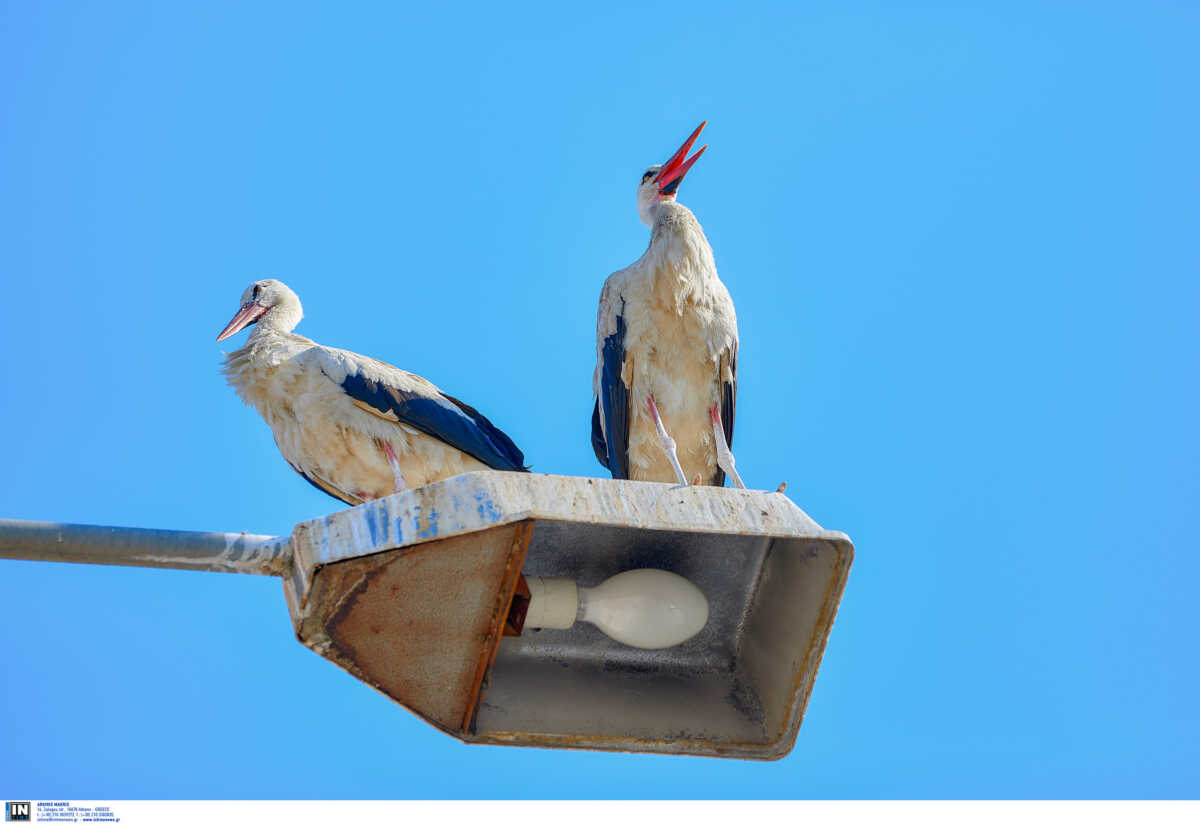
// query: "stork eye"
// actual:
[[647, 176], [254, 294]]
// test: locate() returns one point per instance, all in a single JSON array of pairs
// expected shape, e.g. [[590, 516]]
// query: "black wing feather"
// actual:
[[729, 395], [470, 431], [727, 365], [599, 444], [328, 489], [614, 394], [500, 443]]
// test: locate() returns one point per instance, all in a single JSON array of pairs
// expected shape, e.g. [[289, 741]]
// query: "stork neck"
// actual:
[[665, 208], [677, 239], [280, 319]]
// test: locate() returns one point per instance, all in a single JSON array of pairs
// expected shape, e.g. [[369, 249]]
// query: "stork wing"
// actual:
[[727, 375], [610, 417], [599, 444], [327, 487], [404, 398]]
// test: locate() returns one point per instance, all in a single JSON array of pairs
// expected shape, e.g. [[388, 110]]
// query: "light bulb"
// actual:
[[645, 608]]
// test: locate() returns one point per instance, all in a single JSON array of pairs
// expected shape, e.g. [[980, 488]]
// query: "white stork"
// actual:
[[666, 348], [352, 426]]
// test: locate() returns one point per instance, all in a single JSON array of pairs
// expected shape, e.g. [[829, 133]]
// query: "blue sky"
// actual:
[[962, 243]]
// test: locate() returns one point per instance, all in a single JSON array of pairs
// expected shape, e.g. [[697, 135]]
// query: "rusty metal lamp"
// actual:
[[425, 595]]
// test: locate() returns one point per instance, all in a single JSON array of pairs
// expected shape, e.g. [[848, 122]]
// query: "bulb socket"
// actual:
[[553, 603]]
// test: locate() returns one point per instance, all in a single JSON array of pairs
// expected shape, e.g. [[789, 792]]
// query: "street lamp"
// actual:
[[432, 597]]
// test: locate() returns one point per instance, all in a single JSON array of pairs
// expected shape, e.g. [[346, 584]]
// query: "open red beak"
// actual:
[[672, 172], [248, 314]]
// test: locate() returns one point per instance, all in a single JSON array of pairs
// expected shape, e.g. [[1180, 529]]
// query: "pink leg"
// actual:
[[393, 463], [724, 456], [668, 445]]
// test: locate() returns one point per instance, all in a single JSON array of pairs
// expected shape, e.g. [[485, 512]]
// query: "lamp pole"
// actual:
[[162, 548]]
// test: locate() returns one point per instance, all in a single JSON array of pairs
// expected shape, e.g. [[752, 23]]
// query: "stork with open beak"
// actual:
[[666, 348], [354, 427]]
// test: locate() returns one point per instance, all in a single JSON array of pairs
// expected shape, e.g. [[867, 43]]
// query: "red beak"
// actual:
[[672, 172], [248, 314]]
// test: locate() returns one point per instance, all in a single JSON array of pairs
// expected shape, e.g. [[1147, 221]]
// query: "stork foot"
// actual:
[[668, 443], [401, 486], [724, 456]]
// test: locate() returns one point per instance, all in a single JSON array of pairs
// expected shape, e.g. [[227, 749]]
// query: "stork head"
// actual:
[[269, 301], [661, 182]]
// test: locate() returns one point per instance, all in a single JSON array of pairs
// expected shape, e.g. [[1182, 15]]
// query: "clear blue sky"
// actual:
[[962, 241]]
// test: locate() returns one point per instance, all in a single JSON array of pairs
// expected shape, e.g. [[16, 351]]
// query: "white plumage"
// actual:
[[336, 415], [666, 331]]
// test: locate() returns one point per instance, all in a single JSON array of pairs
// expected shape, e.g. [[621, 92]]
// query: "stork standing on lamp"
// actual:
[[354, 427], [666, 348]]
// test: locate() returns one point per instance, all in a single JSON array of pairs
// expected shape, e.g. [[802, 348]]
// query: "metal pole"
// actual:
[[163, 548]]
